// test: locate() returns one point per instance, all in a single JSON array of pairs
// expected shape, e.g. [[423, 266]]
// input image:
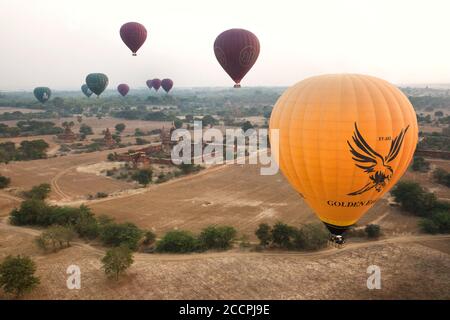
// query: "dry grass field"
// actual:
[[414, 267]]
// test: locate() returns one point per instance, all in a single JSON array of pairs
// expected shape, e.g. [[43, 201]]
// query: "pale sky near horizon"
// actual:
[[56, 43]]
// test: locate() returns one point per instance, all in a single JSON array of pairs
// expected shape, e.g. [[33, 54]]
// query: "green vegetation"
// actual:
[[17, 275], [308, 237], [39, 192], [85, 130], [442, 177], [373, 231], [178, 241], [29, 128], [28, 150], [143, 176], [414, 199], [120, 127], [123, 234], [116, 261], [55, 238], [4, 182], [217, 237], [420, 164]]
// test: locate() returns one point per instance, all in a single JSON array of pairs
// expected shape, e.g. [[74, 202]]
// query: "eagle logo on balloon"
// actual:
[[374, 164]]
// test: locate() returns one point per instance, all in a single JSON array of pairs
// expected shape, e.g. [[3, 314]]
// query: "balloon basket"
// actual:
[[237, 85], [336, 241], [134, 54]]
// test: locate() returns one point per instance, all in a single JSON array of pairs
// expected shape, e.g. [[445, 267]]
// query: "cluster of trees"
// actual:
[[308, 237], [435, 141], [415, 200], [17, 275], [442, 176], [210, 238], [420, 164], [29, 128], [28, 150]]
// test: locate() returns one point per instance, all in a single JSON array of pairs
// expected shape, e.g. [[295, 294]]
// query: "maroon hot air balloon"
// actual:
[[237, 51], [123, 89], [133, 34], [167, 84], [149, 84], [156, 84]]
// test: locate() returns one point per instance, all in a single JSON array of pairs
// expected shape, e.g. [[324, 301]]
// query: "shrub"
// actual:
[[101, 195], [143, 176], [4, 181], [39, 192], [311, 236], [413, 198], [149, 238], [264, 234], [17, 275], [420, 164], [114, 234], [428, 226], [117, 260], [178, 241], [373, 230], [217, 237], [282, 235]]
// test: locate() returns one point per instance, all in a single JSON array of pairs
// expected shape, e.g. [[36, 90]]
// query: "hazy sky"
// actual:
[[57, 42]]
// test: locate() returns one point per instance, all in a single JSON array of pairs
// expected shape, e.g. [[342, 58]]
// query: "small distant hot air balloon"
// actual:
[[167, 84], [97, 82], [156, 84], [237, 51], [133, 34], [85, 89], [123, 89], [42, 94], [344, 141], [149, 84]]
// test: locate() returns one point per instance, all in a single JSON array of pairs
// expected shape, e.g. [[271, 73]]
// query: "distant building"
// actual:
[[108, 139], [67, 136]]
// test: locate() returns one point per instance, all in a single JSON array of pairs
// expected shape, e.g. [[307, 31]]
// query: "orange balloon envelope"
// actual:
[[344, 141]]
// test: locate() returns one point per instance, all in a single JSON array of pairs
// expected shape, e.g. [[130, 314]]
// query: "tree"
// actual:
[[56, 237], [413, 198], [420, 164], [17, 275], [149, 237], [58, 102], [178, 241], [208, 120], [247, 125], [311, 236], [86, 130], [438, 114], [217, 237], [282, 235], [39, 192], [373, 230], [143, 176], [120, 127], [178, 123], [115, 234], [117, 260], [4, 181], [264, 234], [189, 118]]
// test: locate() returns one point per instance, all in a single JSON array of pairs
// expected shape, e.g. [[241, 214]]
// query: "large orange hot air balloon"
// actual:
[[344, 141]]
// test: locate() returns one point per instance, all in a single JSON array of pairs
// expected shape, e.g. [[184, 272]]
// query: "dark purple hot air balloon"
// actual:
[[123, 89], [133, 34], [237, 51], [156, 84], [167, 84], [149, 84]]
